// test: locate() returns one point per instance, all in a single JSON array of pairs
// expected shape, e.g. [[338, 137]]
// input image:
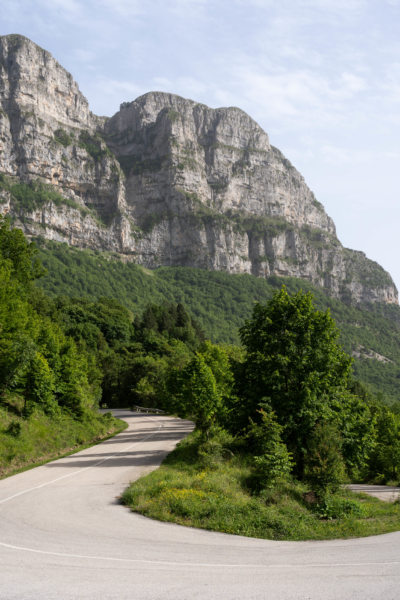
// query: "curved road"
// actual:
[[64, 536]]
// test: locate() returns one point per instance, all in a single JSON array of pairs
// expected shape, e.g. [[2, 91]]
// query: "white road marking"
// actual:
[[78, 471], [189, 564]]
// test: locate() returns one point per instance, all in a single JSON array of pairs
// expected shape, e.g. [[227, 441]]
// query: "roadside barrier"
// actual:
[[146, 409]]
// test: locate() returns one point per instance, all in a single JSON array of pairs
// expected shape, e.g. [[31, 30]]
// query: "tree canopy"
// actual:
[[294, 365]]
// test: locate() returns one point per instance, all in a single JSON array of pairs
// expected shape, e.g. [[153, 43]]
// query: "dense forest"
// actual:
[[220, 302], [50, 381], [61, 358]]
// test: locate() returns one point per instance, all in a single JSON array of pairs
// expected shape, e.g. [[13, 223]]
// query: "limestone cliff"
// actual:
[[165, 181]]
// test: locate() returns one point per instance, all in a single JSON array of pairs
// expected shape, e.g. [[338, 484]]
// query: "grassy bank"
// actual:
[[211, 490], [25, 443]]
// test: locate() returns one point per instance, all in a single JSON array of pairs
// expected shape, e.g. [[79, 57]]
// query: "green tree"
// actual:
[[324, 466], [15, 248], [39, 386], [385, 458], [356, 420], [294, 365], [194, 392], [74, 392], [17, 325], [217, 359], [273, 461]]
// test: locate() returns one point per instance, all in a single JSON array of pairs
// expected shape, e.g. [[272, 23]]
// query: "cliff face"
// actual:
[[165, 181], [47, 133]]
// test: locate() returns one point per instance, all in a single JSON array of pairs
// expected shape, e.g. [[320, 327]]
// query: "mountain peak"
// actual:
[[165, 181]]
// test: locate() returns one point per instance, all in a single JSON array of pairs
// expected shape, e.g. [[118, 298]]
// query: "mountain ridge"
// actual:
[[164, 182]]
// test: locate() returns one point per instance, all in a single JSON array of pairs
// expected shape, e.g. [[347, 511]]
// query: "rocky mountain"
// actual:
[[165, 181]]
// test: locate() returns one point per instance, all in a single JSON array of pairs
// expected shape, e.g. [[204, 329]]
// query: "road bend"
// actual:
[[64, 535]]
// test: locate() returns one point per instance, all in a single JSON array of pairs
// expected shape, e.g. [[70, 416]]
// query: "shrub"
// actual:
[[216, 448], [14, 429], [62, 137], [93, 145], [333, 507]]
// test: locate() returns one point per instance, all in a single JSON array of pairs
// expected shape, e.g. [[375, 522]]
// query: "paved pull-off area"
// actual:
[[386, 493], [64, 536]]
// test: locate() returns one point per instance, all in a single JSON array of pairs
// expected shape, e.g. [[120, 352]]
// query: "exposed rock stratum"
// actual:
[[165, 181]]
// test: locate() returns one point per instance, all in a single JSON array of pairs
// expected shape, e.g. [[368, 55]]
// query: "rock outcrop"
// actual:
[[165, 181]]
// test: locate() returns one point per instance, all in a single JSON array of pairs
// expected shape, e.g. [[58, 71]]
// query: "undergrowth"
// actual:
[[24, 443], [213, 492]]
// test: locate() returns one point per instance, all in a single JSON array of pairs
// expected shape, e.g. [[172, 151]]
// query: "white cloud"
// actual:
[[84, 55], [70, 9], [296, 99], [162, 83], [194, 87], [109, 93], [352, 84], [124, 8], [336, 155]]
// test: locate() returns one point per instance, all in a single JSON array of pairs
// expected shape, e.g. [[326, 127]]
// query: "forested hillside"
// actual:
[[278, 413], [220, 302], [60, 358]]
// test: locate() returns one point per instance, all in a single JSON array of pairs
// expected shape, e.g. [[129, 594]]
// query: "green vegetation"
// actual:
[[208, 488], [27, 197], [368, 271], [267, 458], [50, 383], [186, 157], [294, 366], [220, 302], [191, 196], [35, 194], [218, 186], [254, 225], [173, 115], [94, 145], [27, 442], [60, 358], [317, 238], [63, 138], [280, 421], [259, 226]]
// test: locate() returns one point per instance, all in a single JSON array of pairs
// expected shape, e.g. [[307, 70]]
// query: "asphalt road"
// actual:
[[386, 493], [64, 536]]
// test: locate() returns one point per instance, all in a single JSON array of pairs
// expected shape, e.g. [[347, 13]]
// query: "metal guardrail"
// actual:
[[146, 409]]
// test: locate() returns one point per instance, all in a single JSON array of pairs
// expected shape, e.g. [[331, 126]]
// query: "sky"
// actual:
[[322, 77]]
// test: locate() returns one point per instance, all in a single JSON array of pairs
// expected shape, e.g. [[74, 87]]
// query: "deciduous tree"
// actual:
[[294, 365]]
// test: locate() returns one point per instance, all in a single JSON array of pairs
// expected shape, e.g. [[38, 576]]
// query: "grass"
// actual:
[[27, 443], [212, 493]]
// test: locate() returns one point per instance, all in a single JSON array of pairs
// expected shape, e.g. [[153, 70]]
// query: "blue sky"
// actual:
[[322, 77]]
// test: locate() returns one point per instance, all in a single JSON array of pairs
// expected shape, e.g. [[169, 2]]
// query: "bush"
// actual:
[[14, 429], [216, 448], [62, 137], [333, 507]]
